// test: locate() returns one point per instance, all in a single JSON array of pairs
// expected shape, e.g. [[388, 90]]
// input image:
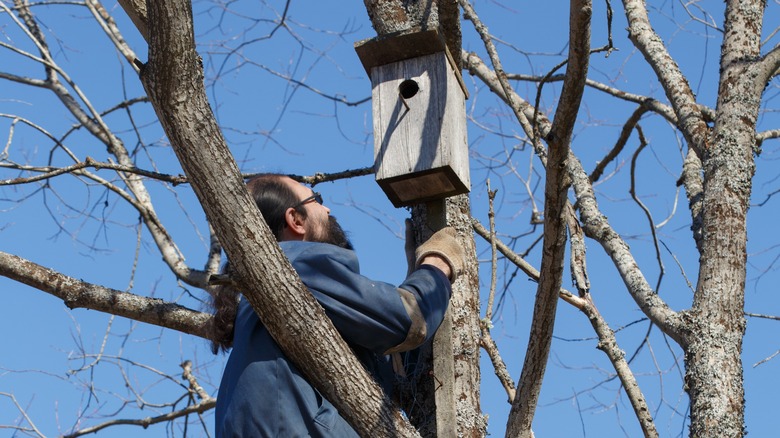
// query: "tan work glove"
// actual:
[[443, 244]]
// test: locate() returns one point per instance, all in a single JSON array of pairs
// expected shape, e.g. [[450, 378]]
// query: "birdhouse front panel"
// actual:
[[420, 144]]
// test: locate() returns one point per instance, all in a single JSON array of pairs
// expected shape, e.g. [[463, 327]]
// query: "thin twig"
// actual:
[[47, 172], [493, 253], [632, 191], [33, 428], [148, 421]]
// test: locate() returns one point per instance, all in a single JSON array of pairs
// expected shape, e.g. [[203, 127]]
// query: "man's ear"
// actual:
[[295, 223]]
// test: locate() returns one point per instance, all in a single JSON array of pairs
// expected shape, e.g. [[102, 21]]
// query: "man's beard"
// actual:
[[333, 233]]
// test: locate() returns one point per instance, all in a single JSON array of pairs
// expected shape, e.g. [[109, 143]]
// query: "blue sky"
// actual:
[[50, 354]]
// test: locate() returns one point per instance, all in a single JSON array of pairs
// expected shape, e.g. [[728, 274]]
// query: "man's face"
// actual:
[[320, 225], [335, 235]]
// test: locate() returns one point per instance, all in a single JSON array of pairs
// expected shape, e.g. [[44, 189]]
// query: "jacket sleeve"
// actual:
[[375, 315]]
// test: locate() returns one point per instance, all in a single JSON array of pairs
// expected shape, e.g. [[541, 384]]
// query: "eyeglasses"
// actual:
[[314, 197]]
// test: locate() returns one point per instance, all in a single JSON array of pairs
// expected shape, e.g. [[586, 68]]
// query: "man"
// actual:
[[262, 394]]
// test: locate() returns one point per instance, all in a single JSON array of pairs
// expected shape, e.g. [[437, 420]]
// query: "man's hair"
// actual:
[[273, 196]]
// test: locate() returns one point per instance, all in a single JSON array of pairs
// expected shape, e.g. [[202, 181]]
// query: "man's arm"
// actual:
[[375, 315]]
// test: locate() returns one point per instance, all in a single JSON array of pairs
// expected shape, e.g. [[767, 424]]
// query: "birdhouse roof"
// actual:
[[387, 49]]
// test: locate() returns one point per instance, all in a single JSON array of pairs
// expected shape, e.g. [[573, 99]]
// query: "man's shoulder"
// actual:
[[295, 249]]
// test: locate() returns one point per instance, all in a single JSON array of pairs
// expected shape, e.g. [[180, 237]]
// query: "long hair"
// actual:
[[273, 197]]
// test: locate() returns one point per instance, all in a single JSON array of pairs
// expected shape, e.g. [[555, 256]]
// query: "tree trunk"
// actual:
[[716, 324]]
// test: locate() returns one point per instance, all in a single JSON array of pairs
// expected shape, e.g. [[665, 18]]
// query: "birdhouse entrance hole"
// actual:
[[408, 88]]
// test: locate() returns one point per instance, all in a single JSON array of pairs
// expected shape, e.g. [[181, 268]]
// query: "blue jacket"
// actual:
[[262, 394]]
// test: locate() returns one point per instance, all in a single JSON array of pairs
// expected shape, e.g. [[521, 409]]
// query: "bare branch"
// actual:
[[51, 172], [23, 80], [499, 366], [766, 135], [632, 191], [33, 428], [555, 212], [691, 178], [194, 385], [579, 270], [769, 65], [318, 178], [493, 253], [136, 10], [76, 293], [759, 315], [608, 344], [767, 359], [291, 80], [651, 104], [486, 339], [628, 127], [148, 421], [109, 26], [641, 33]]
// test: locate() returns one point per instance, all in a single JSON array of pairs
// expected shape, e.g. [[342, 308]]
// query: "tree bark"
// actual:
[[173, 79], [716, 325]]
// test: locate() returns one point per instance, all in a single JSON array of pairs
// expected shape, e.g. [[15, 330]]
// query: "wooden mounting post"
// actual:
[[443, 361]]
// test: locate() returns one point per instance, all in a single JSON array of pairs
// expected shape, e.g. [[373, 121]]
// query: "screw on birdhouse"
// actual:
[[406, 90]]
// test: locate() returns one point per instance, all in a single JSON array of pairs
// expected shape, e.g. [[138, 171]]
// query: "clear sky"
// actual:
[[72, 369]]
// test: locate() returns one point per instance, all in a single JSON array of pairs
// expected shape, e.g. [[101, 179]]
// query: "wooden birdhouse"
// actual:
[[419, 111]]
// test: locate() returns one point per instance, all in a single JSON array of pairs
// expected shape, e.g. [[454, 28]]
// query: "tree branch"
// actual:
[[769, 66], [48, 172], [555, 211], [651, 104], [136, 10], [486, 323], [199, 408], [679, 93], [595, 224], [625, 133], [80, 294], [93, 122], [608, 344], [109, 26], [607, 341]]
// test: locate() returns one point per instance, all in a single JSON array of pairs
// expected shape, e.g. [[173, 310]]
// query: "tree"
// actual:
[[556, 121]]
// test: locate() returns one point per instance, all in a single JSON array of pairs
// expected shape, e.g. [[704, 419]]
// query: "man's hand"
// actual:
[[442, 249]]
